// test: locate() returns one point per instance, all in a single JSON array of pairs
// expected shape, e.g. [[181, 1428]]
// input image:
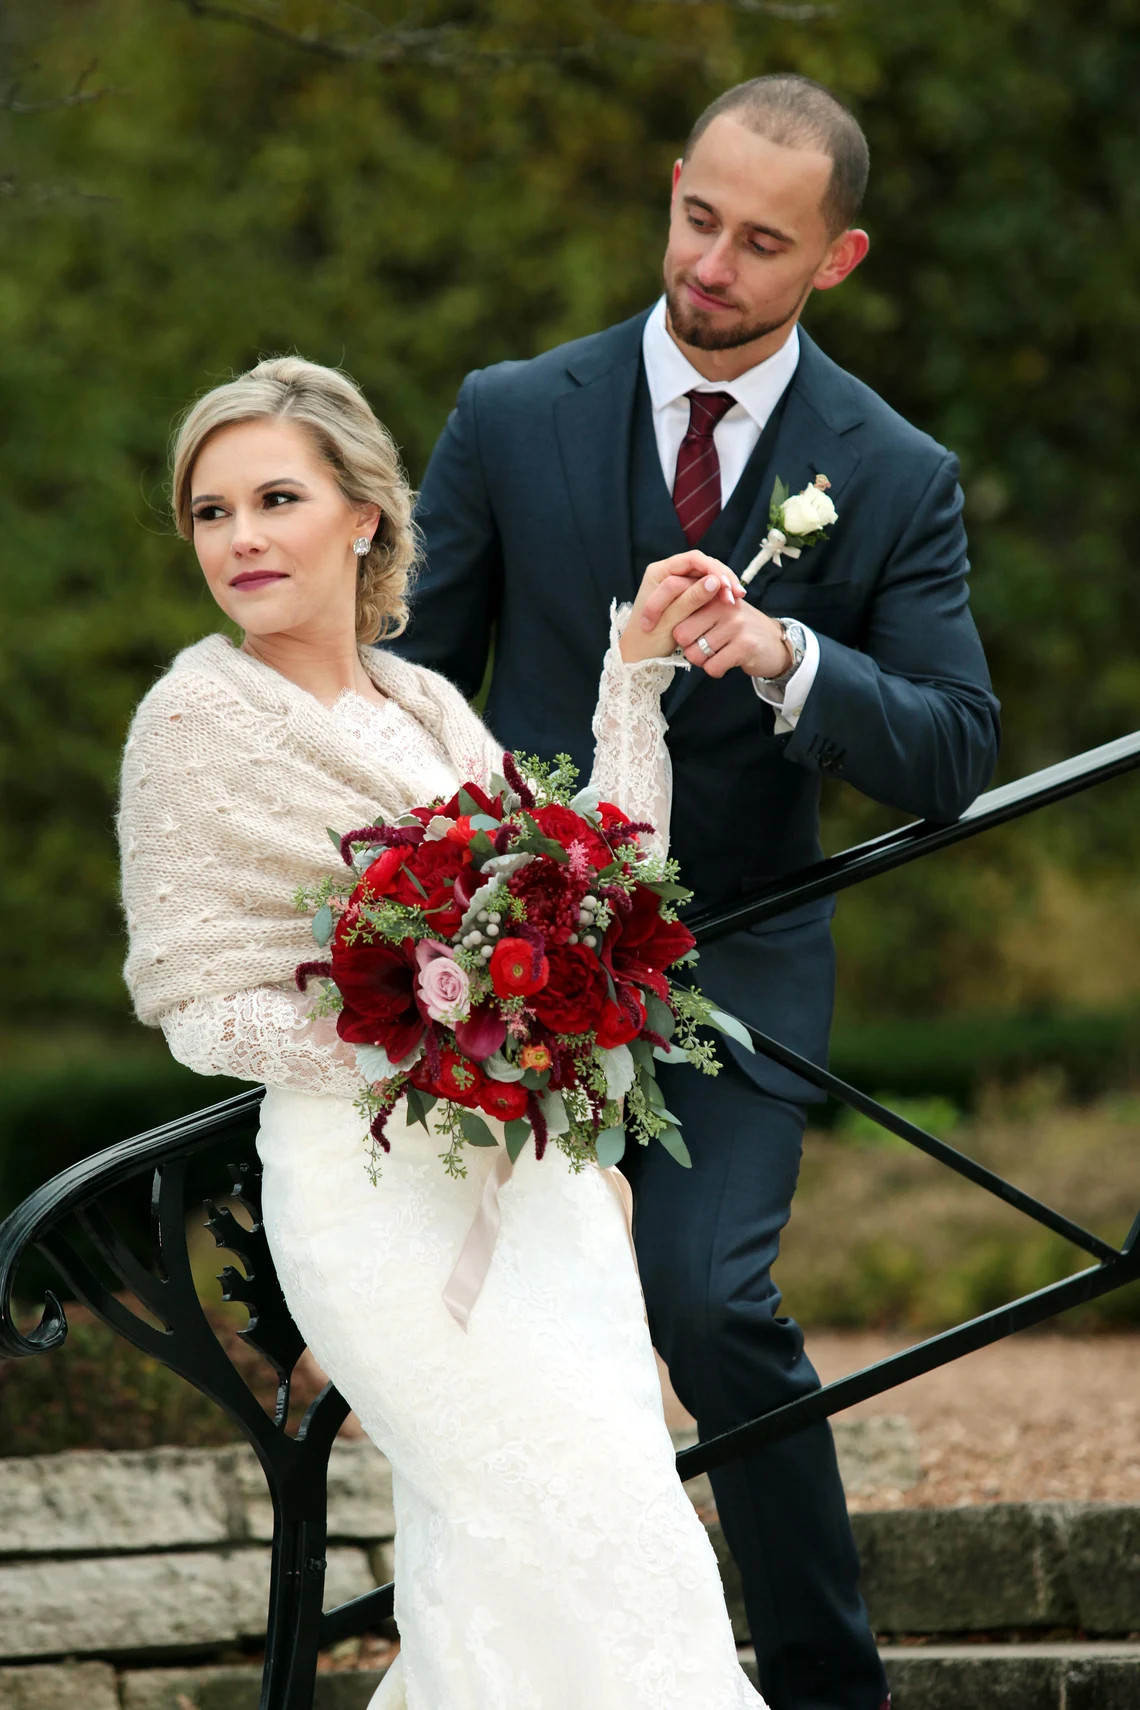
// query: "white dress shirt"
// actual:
[[670, 375]]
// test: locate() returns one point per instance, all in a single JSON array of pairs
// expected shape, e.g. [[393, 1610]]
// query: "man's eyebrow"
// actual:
[[753, 225]]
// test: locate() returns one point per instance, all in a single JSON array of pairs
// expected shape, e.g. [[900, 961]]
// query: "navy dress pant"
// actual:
[[707, 1239]]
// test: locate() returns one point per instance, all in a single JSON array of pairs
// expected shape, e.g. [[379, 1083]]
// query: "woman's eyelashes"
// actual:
[[211, 513]]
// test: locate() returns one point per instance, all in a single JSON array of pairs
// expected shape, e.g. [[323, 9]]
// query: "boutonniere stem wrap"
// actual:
[[797, 520]]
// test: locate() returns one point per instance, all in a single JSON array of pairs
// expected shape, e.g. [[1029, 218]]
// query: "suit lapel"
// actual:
[[812, 438], [593, 420]]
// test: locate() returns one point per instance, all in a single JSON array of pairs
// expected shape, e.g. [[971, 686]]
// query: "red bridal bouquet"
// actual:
[[506, 954]]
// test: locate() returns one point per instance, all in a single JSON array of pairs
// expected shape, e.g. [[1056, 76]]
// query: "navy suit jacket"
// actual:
[[526, 517]]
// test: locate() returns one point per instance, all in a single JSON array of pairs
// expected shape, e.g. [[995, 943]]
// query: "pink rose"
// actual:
[[443, 986]]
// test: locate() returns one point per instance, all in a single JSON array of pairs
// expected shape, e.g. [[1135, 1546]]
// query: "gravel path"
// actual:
[[1037, 1417]]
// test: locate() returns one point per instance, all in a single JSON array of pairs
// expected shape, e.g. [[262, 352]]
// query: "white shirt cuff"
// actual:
[[789, 701]]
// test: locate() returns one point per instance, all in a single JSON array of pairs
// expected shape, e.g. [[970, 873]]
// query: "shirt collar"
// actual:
[[670, 374]]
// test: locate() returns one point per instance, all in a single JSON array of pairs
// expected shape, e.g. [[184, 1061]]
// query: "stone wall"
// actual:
[[136, 1581]]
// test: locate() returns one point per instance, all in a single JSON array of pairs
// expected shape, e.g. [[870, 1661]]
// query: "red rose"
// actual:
[[640, 945], [567, 827], [621, 1021], [504, 1099], [575, 994], [377, 983], [517, 968], [422, 877]]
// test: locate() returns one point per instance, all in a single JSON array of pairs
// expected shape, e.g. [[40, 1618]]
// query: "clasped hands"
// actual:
[[691, 599]]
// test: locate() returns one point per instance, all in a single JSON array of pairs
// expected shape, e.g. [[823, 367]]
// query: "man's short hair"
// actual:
[[797, 113]]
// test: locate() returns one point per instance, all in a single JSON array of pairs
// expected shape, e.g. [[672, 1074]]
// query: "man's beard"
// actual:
[[693, 328]]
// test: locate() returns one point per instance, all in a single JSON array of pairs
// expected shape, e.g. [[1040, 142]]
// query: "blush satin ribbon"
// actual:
[[462, 1288]]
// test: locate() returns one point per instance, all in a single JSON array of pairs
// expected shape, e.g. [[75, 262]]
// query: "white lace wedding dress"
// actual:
[[547, 1557]]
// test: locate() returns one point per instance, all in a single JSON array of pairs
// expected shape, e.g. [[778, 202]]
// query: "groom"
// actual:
[[554, 484]]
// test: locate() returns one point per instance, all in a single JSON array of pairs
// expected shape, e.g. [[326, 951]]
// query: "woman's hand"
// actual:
[[671, 591]]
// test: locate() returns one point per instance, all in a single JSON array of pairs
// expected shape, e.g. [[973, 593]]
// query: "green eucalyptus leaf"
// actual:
[[334, 838], [619, 1069], [535, 1080], [675, 1147], [419, 1104], [483, 822], [731, 1027], [482, 849], [517, 1133], [654, 1097], [673, 1055], [611, 1147], [555, 1112], [642, 1053], [323, 925], [467, 803], [659, 1017], [475, 1130], [667, 890]]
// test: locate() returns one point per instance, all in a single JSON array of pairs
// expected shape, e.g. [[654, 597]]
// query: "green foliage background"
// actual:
[[487, 197]]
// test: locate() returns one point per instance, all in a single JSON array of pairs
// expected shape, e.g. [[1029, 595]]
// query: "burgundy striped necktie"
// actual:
[[696, 485]]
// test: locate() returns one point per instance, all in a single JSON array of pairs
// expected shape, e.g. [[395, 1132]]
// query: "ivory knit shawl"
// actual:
[[231, 774]]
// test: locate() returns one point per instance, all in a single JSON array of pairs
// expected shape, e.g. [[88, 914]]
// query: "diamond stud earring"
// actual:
[[362, 547]]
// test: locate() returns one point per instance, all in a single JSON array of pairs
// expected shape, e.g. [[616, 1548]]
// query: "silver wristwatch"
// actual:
[[797, 642]]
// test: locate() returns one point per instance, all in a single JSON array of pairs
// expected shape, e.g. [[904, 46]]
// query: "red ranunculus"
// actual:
[[505, 1099], [640, 945], [575, 994], [377, 983], [517, 968], [380, 875], [621, 1021], [459, 1079]]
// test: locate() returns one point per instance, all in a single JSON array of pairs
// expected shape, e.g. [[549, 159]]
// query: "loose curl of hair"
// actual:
[[357, 448]]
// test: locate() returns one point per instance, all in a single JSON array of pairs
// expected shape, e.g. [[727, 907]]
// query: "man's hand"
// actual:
[[739, 635], [687, 587], [734, 632]]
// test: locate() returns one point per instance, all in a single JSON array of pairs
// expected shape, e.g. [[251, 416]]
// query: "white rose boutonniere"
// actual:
[[798, 520]]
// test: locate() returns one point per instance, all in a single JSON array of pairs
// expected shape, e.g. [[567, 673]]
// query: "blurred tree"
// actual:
[[416, 195]]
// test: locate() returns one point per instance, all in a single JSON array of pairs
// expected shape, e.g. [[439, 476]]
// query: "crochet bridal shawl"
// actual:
[[231, 775]]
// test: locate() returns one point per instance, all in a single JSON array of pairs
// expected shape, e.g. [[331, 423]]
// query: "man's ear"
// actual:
[[677, 165], [842, 258]]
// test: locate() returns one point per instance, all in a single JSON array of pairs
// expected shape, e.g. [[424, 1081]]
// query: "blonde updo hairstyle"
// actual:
[[357, 448]]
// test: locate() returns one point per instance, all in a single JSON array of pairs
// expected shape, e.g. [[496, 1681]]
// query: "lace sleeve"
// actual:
[[631, 762], [263, 1035]]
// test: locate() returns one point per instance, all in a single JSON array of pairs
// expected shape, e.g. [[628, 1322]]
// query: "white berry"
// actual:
[[492, 930], [573, 938], [482, 915], [487, 952]]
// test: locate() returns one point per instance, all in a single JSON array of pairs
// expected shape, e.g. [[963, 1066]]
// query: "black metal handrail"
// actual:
[[173, 1327]]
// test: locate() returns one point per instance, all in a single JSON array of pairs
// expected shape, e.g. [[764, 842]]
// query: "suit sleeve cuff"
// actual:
[[789, 701]]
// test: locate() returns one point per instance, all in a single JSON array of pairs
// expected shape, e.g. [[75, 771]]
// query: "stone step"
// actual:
[[986, 1568], [88, 1501], [151, 1604], [1091, 1676]]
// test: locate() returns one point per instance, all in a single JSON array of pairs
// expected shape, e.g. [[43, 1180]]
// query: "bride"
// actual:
[[547, 1557]]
